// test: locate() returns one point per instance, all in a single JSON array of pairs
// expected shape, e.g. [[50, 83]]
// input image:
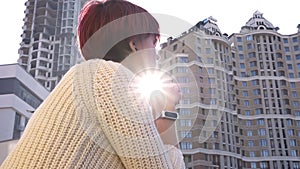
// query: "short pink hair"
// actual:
[[96, 14]]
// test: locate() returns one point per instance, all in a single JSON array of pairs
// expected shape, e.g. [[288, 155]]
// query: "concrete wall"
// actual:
[[6, 148], [7, 116]]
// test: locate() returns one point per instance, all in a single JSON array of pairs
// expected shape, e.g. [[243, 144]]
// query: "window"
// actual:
[[248, 37], [264, 153], [263, 165], [260, 122], [296, 103], [247, 112], [293, 84], [211, 80], [263, 142], [290, 132], [279, 64], [278, 55], [288, 57], [182, 69], [295, 39], [208, 41], [252, 64], [239, 39], [294, 93], [182, 60], [286, 49], [211, 90], [296, 165], [185, 134], [289, 122], [249, 133], [210, 71], [185, 101], [298, 66], [185, 122], [249, 46], [258, 111], [186, 145], [285, 40], [240, 48], [242, 65], [246, 102], [294, 153], [291, 75], [251, 55], [243, 74], [254, 82], [298, 57], [184, 90], [253, 72], [257, 101], [250, 143], [256, 92], [182, 79], [290, 66], [210, 60], [184, 111], [293, 142], [208, 51], [248, 122], [199, 59], [261, 132], [212, 101], [200, 69], [296, 48], [198, 49], [245, 93], [175, 47], [251, 154], [253, 165], [241, 56], [244, 84]]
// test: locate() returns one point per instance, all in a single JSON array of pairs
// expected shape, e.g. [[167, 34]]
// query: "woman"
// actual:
[[94, 118]]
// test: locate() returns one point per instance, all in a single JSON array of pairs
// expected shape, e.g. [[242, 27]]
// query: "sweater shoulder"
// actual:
[[97, 63]]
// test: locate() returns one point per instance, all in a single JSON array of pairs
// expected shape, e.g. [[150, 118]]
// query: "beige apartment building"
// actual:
[[240, 95]]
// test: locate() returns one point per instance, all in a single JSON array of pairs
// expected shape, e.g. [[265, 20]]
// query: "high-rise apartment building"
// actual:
[[240, 95], [48, 48]]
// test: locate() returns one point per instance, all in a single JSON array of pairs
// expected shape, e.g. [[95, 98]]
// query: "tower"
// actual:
[[49, 48], [240, 95]]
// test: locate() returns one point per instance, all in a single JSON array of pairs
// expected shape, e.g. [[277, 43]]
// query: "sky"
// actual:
[[231, 15]]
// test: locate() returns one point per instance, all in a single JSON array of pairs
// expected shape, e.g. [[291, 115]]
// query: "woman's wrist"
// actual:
[[167, 130]]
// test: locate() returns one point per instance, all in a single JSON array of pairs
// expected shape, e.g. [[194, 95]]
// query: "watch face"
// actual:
[[170, 115]]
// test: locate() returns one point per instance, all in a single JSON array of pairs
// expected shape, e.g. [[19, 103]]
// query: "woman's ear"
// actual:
[[132, 46]]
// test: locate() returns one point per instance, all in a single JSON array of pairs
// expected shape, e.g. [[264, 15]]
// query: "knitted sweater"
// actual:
[[92, 119]]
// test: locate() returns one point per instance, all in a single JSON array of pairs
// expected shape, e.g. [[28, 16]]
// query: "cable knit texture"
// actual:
[[93, 119]]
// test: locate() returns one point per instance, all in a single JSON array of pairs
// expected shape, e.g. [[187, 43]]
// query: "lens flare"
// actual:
[[149, 81]]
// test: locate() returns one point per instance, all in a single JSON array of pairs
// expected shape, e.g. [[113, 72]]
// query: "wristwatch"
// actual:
[[169, 115]]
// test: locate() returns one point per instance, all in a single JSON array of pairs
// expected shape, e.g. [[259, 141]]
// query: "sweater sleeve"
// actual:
[[127, 122]]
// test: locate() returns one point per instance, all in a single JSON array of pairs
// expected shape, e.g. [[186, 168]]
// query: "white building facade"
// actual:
[[20, 95]]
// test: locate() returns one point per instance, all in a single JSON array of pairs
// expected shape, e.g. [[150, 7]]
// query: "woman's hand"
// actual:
[[165, 100]]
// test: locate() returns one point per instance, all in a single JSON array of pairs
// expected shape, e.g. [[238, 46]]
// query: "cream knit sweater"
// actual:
[[92, 119]]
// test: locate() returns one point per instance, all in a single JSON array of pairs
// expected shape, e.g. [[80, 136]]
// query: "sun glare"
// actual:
[[149, 83], [155, 84]]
